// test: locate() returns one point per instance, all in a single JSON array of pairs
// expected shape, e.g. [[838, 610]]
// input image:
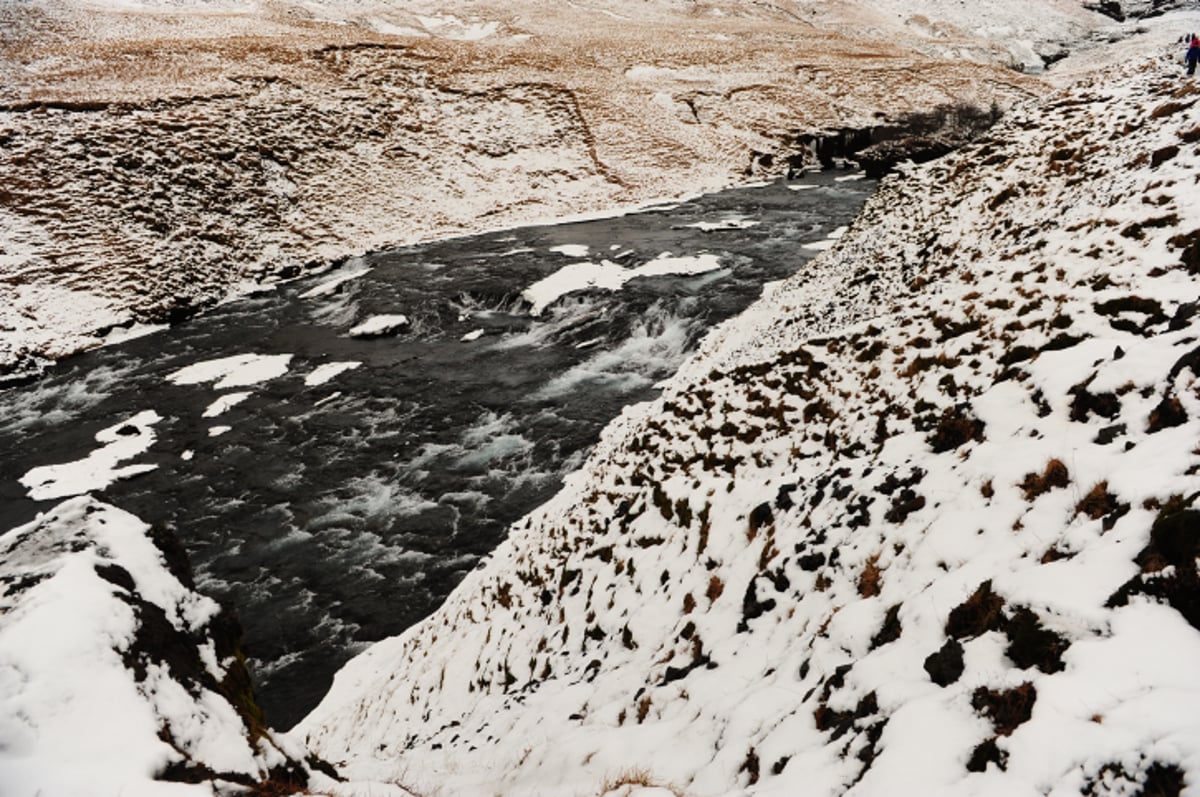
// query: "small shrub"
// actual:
[[955, 428], [1007, 709], [869, 582], [978, 614], [1054, 476]]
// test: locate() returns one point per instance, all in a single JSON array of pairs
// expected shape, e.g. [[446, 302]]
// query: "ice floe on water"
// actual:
[[571, 250], [239, 370], [472, 335], [610, 276], [223, 403], [379, 325], [100, 468], [327, 371]]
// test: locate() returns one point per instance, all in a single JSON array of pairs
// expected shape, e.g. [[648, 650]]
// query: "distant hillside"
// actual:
[[158, 155], [920, 522]]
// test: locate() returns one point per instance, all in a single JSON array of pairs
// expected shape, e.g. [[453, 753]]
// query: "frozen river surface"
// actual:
[[334, 487]]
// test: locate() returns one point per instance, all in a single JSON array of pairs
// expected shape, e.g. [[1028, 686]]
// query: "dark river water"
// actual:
[[335, 513]]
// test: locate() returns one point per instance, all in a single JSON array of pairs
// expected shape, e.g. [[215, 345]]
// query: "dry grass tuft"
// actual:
[[1055, 475]]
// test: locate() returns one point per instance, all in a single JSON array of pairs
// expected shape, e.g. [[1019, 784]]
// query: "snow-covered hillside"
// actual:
[[156, 155], [116, 676], [920, 522]]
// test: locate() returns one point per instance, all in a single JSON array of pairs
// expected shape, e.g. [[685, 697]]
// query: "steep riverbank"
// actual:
[[339, 495], [921, 523]]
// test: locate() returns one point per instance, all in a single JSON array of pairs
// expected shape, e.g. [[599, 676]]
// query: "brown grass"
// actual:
[[1055, 475]]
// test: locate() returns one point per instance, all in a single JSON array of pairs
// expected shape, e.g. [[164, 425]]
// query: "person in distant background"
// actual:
[[1193, 55]]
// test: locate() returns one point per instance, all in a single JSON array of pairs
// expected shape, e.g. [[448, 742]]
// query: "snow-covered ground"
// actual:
[[114, 671], [920, 522]]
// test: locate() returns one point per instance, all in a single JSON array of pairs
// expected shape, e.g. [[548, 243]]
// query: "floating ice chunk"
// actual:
[[379, 325], [217, 431], [802, 187], [850, 178], [237, 371], [575, 277], [610, 276], [470, 336], [223, 403], [323, 373], [664, 265], [571, 250], [100, 468]]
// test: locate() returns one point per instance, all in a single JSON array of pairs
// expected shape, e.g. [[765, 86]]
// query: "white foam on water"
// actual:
[[654, 349], [491, 439], [375, 495], [43, 403]]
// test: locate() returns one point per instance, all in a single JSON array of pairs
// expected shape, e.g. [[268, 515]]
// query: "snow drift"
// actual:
[[116, 676]]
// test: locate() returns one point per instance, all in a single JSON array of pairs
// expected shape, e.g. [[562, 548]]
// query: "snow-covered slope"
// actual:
[[920, 522], [116, 677], [155, 155]]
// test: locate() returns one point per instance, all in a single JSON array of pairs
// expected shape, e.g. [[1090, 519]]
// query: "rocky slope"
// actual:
[[920, 522], [155, 156], [117, 677]]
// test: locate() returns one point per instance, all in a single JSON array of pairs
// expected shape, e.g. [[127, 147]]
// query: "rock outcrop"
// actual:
[[117, 677]]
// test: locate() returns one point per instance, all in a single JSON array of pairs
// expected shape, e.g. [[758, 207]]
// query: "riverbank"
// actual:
[[158, 158]]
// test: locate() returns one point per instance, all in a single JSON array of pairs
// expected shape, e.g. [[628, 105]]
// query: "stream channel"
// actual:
[[336, 506]]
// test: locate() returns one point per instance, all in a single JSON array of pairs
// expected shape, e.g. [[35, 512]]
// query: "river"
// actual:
[[335, 488]]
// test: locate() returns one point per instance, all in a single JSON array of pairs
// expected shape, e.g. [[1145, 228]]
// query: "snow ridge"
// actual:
[[919, 522], [116, 676]]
